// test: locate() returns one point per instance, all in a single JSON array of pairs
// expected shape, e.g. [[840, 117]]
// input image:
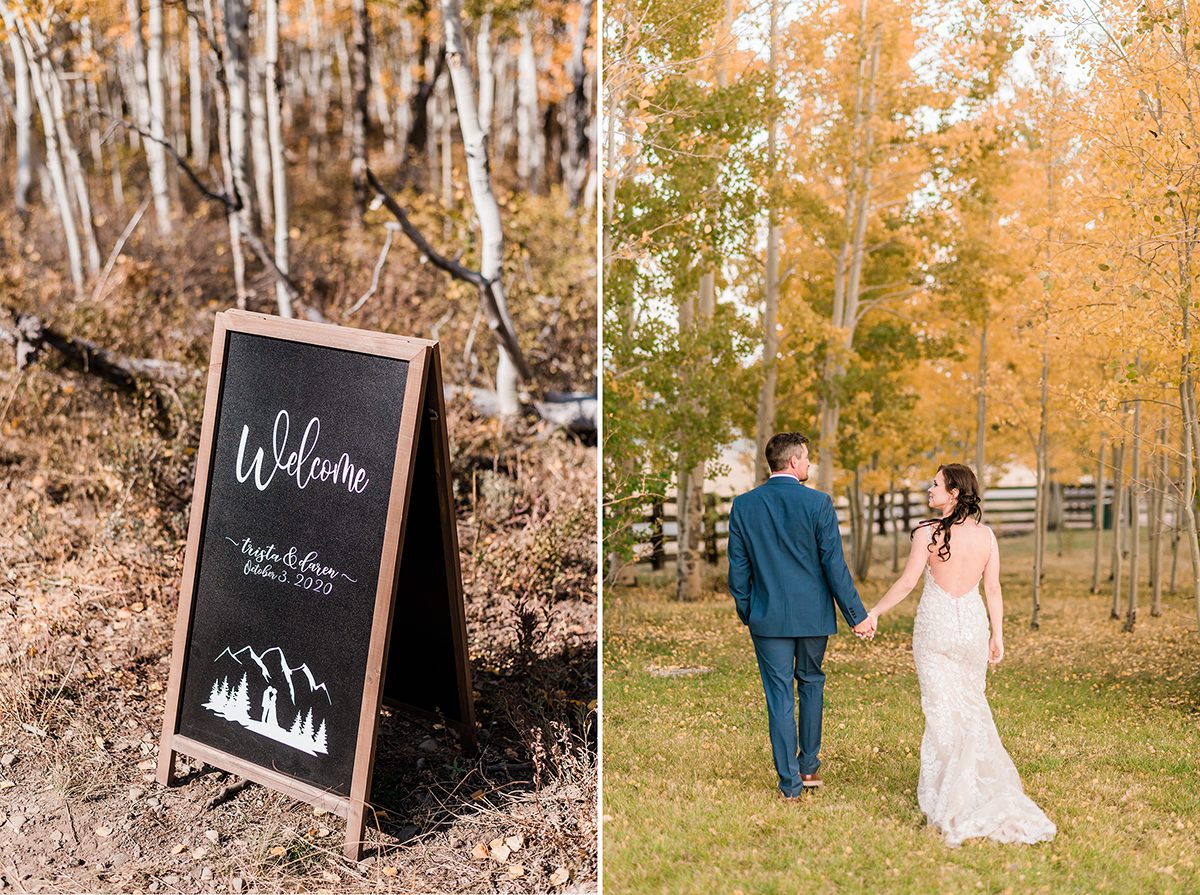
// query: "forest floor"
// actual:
[[94, 493], [1104, 727]]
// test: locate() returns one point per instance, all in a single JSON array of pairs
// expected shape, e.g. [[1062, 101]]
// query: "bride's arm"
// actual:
[[995, 603], [918, 556]]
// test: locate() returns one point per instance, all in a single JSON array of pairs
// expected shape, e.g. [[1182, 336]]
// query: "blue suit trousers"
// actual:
[[784, 662]]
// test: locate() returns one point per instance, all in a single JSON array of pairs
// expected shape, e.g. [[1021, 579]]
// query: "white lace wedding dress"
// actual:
[[968, 786]]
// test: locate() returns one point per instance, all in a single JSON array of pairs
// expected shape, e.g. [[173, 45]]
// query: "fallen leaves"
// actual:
[[560, 877]]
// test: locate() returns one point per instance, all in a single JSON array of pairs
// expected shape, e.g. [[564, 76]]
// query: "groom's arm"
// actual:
[[740, 572], [833, 563]]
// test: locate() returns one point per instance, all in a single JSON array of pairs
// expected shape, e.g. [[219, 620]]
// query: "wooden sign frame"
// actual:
[[423, 406]]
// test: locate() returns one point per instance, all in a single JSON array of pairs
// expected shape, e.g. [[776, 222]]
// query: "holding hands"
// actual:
[[865, 629]]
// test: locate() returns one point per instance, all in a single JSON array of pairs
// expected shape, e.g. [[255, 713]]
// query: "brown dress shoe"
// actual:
[[811, 781]]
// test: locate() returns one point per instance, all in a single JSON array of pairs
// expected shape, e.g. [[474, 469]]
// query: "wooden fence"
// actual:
[[1009, 510]]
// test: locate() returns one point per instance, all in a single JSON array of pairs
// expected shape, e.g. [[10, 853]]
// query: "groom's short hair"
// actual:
[[781, 448]]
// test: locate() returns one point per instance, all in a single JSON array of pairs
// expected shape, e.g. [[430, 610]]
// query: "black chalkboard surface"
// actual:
[[321, 569]]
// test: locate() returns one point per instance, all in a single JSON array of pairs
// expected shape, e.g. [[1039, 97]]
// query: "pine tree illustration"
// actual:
[[307, 730], [295, 731], [214, 697], [320, 744], [240, 707]]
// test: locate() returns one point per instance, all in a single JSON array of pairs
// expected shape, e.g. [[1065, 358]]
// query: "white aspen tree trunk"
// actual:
[[156, 113], [1098, 518], [1191, 443], [486, 207], [404, 119], [237, 76], [487, 74], [74, 167], [91, 95], [222, 104], [278, 167], [54, 161], [140, 92], [175, 107], [530, 139], [23, 119], [260, 146], [1158, 505], [766, 397], [1041, 509], [316, 78], [435, 111], [506, 97], [1135, 519], [380, 101], [1187, 500], [114, 157], [345, 82], [198, 144], [577, 162], [1119, 499], [689, 498], [360, 68], [981, 403], [447, 161]]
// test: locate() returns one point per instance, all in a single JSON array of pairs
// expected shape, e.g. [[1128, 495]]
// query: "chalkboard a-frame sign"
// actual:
[[321, 574]]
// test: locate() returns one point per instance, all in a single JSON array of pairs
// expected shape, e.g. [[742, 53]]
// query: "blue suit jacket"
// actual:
[[786, 568]]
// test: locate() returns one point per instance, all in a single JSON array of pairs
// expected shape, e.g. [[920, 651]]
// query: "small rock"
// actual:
[[422, 763], [319, 812], [135, 793], [171, 879], [8, 759], [178, 849], [206, 873], [198, 853], [480, 851], [155, 885], [103, 832], [499, 850], [515, 842], [455, 841], [428, 745], [237, 884], [323, 832], [516, 870], [120, 858], [212, 836], [15, 822], [153, 802]]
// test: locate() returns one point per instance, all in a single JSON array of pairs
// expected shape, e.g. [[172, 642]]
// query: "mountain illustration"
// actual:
[[262, 692]]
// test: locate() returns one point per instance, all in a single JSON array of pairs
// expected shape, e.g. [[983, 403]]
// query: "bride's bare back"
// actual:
[[974, 555]]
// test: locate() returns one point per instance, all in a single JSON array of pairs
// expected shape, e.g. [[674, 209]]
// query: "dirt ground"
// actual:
[[93, 499]]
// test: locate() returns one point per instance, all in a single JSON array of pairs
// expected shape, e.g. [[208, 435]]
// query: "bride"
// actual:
[[968, 785]]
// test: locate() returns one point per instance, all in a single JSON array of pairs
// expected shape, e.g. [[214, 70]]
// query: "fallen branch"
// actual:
[[30, 336], [491, 306], [387, 246], [226, 793]]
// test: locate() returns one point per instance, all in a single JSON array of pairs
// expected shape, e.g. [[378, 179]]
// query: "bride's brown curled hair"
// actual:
[[958, 478]]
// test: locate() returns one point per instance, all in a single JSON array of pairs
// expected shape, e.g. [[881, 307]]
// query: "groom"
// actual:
[[786, 570]]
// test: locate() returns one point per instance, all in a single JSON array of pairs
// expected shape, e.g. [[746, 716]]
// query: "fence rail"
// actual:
[[1009, 509]]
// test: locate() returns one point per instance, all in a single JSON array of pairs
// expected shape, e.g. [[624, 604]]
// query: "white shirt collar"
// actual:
[[785, 475]]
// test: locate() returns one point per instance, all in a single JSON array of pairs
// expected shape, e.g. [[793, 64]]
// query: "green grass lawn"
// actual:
[[1104, 727]]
